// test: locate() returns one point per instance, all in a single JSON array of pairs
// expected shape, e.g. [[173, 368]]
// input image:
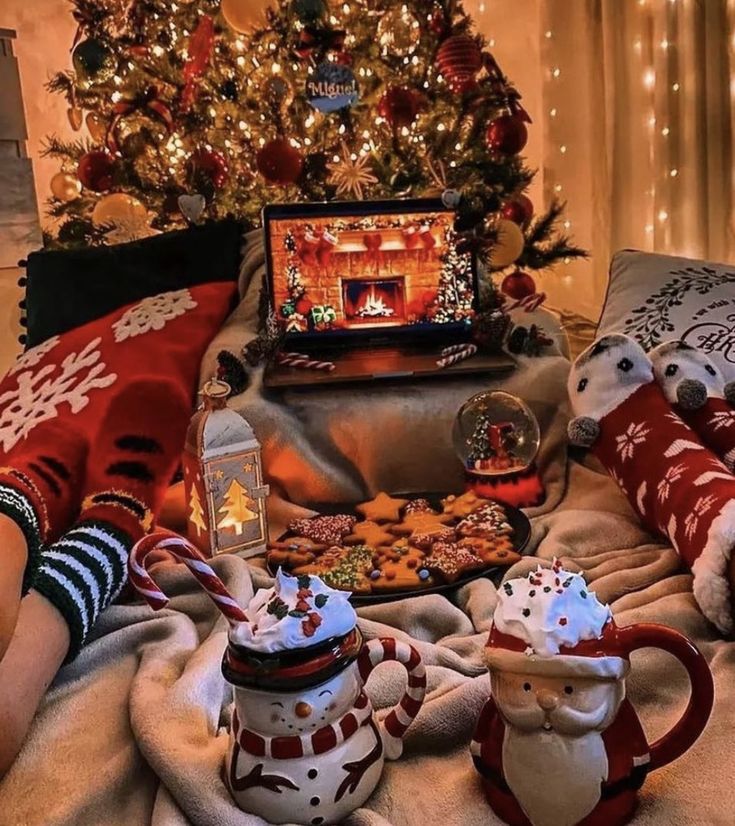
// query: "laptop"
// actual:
[[376, 288]]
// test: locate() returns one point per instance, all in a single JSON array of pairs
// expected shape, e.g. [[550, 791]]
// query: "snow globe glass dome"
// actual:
[[495, 433]]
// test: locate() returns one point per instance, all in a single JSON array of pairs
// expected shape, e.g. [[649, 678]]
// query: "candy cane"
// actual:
[[400, 718], [455, 348], [185, 552], [467, 351], [302, 362], [529, 303]]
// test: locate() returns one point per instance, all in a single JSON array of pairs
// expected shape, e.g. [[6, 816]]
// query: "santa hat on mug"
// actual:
[[549, 623]]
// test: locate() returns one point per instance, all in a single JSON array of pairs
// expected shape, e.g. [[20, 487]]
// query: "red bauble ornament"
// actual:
[[400, 106], [519, 210], [507, 134], [95, 171], [303, 306], [210, 163], [279, 162], [459, 59], [518, 285]]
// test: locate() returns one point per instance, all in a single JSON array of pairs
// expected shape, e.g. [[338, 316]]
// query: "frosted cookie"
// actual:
[[487, 521], [344, 568], [383, 508], [451, 562], [425, 538], [368, 533], [461, 506], [327, 530], [419, 506]]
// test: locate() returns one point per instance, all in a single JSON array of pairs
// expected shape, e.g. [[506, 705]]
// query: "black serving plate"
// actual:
[[516, 518]]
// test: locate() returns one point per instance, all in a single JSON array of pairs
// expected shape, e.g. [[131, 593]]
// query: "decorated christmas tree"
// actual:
[[237, 508], [196, 110]]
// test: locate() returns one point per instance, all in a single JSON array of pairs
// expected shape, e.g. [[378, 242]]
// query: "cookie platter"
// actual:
[[402, 545]]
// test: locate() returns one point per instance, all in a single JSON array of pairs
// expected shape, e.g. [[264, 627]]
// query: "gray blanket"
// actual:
[[134, 732]]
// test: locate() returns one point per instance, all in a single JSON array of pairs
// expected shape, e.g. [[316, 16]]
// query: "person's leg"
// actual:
[[37, 649], [40, 495]]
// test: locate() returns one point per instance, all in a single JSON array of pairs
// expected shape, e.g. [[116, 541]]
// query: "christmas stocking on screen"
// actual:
[[697, 390], [677, 486]]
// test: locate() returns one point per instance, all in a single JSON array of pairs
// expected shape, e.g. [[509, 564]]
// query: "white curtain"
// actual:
[[634, 104]]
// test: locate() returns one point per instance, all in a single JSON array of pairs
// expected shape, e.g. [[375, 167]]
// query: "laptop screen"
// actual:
[[368, 267]]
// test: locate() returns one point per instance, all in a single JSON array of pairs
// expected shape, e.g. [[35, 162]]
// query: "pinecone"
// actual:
[[489, 329], [232, 371]]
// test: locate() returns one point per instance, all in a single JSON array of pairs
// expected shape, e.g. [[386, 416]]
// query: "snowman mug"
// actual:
[[305, 745]]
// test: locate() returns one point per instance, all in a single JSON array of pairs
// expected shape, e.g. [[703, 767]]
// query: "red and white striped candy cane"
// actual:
[[528, 303], [467, 351], [455, 348], [191, 557], [302, 362], [384, 650]]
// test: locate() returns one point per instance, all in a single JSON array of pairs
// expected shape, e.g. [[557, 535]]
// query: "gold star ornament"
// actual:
[[350, 173]]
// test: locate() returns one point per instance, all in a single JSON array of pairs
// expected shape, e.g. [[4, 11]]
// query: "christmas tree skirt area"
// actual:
[[432, 549]]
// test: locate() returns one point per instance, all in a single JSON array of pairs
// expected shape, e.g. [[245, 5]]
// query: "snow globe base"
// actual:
[[522, 489]]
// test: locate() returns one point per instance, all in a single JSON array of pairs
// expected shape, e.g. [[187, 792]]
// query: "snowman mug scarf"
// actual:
[[678, 487]]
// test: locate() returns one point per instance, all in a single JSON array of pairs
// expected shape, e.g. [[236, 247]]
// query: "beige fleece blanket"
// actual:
[[135, 731]]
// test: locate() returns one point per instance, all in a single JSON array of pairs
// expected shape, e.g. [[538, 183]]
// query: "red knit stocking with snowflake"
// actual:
[[678, 487]]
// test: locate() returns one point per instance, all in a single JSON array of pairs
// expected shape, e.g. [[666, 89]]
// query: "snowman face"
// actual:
[[606, 374], [572, 706], [278, 714], [676, 360]]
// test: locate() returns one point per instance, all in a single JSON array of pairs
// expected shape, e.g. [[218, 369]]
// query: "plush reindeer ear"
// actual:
[[691, 394], [583, 431], [730, 393]]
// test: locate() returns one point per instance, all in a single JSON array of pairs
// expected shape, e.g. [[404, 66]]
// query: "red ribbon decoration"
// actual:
[[200, 50], [148, 101], [326, 40]]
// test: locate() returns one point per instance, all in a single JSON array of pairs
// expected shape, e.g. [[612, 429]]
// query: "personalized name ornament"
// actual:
[[558, 743], [332, 87]]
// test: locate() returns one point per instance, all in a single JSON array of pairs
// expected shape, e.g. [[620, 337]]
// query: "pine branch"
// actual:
[[55, 147], [542, 228]]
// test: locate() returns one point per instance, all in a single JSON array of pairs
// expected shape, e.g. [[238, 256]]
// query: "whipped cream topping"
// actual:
[[297, 612], [548, 609]]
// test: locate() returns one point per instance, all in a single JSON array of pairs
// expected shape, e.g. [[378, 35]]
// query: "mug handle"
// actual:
[[383, 650], [686, 731]]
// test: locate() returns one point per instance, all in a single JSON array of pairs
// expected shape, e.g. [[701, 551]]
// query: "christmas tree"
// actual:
[[236, 509], [196, 110], [196, 512]]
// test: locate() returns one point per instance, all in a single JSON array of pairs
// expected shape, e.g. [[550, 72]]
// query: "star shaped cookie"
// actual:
[[383, 508], [368, 533], [420, 523]]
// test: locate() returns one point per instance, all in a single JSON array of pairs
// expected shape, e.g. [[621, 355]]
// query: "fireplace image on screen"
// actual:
[[367, 300]]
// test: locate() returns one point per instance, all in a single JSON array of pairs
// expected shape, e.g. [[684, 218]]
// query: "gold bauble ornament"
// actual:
[[120, 210], [245, 15], [399, 32], [97, 127], [509, 245], [66, 187]]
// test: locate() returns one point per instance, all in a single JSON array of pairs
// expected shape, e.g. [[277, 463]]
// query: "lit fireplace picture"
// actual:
[[369, 299]]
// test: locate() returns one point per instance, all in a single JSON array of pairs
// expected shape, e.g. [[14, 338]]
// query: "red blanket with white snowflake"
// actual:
[[76, 374]]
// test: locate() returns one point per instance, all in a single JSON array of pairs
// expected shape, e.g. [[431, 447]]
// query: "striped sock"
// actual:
[[82, 574], [132, 462]]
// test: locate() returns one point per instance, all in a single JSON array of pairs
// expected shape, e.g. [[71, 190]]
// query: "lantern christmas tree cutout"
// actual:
[[223, 479]]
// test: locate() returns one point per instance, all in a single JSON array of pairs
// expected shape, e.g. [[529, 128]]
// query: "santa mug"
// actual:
[[305, 745], [558, 743]]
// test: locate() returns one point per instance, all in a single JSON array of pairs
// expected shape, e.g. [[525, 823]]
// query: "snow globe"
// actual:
[[497, 438]]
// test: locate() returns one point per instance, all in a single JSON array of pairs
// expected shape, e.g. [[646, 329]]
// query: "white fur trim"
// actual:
[[711, 585], [560, 665]]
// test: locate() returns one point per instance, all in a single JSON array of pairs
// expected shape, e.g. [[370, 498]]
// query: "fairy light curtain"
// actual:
[[635, 106]]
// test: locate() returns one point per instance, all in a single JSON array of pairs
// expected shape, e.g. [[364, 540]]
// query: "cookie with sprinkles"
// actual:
[[419, 505], [425, 538], [344, 568], [327, 530], [487, 521], [451, 561]]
